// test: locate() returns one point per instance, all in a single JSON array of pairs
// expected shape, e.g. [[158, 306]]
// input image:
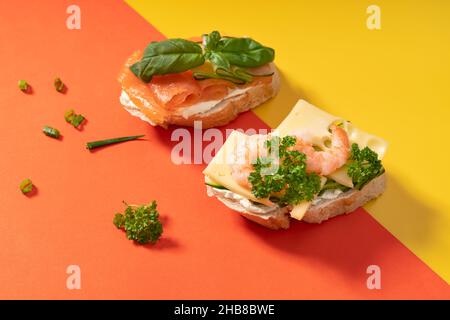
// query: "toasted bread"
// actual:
[[346, 202], [223, 112]]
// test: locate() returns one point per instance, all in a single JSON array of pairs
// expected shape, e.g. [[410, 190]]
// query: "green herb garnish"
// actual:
[[364, 166], [26, 186], [23, 85], [78, 120], [69, 115], [168, 56], [73, 118], [216, 186], [229, 57], [141, 223], [51, 132], [332, 185], [291, 178], [59, 85], [101, 143]]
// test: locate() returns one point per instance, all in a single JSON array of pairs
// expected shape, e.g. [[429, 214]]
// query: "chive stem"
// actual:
[[101, 143]]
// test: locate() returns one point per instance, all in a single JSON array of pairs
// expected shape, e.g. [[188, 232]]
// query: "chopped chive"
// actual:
[[23, 85], [73, 118], [59, 85], [101, 143], [69, 115], [26, 186], [51, 132], [77, 120]]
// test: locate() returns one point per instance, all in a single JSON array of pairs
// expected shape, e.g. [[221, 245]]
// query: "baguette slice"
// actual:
[[222, 113], [346, 202]]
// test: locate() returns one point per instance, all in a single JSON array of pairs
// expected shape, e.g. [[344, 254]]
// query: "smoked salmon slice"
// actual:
[[170, 93]]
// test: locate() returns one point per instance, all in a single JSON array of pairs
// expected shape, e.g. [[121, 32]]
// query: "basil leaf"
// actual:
[[229, 57], [245, 52], [223, 70], [219, 61], [169, 56], [211, 40]]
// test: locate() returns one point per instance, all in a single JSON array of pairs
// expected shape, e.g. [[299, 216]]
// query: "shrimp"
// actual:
[[321, 162], [253, 148], [327, 161], [240, 174]]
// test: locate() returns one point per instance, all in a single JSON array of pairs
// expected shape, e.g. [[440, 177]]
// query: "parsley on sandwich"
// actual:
[[291, 180], [364, 166]]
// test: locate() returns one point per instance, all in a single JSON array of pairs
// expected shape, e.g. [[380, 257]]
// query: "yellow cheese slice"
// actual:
[[298, 211], [310, 120], [210, 181], [219, 172], [314, 123], [219, 169], [341, 177]]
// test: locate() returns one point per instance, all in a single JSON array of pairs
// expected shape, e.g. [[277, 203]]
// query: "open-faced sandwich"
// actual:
[[212, 80], [313, 167]]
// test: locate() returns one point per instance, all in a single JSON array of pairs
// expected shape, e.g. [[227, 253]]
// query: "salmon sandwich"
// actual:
[[213, 80], [313, 167]]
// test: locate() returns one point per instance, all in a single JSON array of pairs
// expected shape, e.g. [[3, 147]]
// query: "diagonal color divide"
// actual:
[[206, 252], [392, 82]]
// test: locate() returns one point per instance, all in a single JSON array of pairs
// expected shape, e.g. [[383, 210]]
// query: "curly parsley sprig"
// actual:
[[141, 223], [291, 178], [364, 166]]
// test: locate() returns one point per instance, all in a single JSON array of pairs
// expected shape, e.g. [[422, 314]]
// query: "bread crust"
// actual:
[[279, 219], [228, 109], [343, 204]]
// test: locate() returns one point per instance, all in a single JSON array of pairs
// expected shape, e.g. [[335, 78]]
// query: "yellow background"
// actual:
[[392, 82]]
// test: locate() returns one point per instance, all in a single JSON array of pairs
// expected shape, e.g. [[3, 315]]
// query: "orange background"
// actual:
[[206, 251]]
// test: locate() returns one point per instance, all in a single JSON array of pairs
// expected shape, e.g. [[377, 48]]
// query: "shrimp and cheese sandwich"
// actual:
[[213, 80], [313, 167]]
